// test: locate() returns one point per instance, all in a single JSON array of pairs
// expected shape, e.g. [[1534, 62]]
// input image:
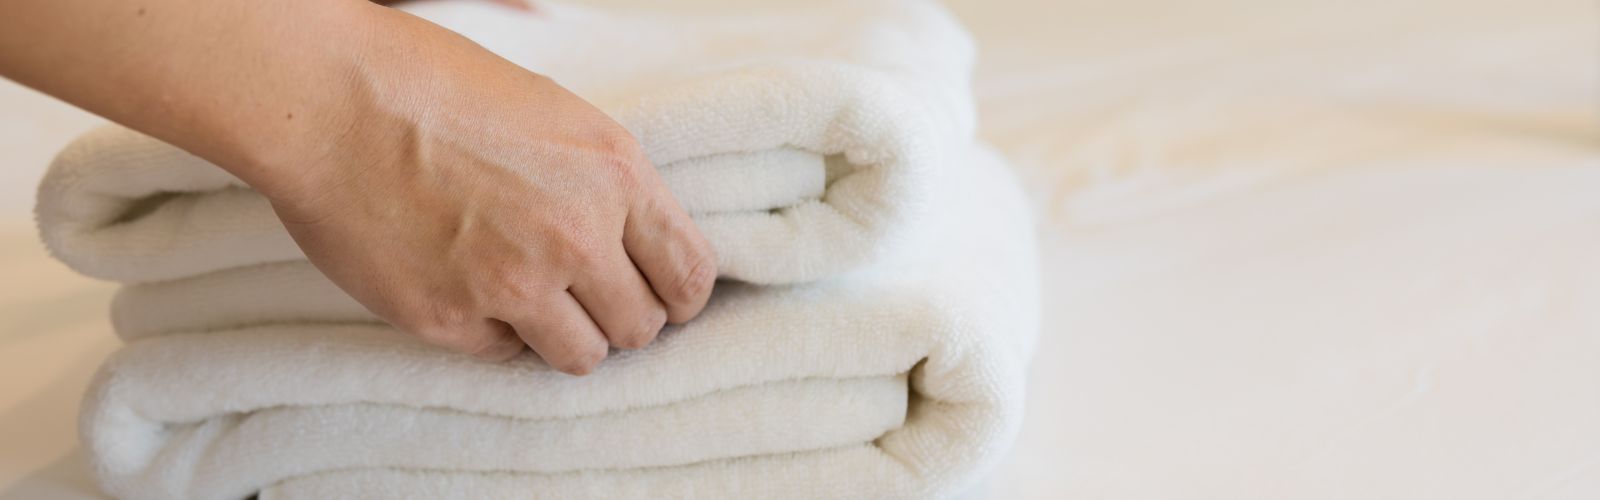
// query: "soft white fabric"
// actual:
[[805, 147], [1208, 169], [901, 380], [801, 141]]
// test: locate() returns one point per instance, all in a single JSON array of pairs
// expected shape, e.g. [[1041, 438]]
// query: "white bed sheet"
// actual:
[[1294, 249]]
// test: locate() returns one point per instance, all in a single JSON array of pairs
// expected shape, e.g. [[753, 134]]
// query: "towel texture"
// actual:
[[808, 145], [801, 141], [901, 380]]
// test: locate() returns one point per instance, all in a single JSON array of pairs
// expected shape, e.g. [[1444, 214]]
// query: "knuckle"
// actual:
[[618, 154], [581, 362], [648, 327], [695, 280], [584, 252]]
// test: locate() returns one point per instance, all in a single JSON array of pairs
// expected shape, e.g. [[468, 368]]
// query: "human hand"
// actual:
[[482, 207]]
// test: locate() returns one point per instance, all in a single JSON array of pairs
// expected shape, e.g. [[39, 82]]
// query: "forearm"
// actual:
[[249, 85]]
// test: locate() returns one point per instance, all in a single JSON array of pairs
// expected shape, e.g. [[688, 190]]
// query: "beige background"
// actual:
[[1293, 249]]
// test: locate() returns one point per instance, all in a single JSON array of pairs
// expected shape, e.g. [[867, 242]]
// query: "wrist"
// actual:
[[401, 80], [298, 131]]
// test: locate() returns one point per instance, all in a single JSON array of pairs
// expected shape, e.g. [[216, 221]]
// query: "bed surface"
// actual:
[[1293, 249]]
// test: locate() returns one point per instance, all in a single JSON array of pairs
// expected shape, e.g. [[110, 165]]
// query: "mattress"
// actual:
[[1292, 249]]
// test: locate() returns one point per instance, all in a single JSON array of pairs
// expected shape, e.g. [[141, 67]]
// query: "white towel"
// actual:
[[801, 141], [900, 380]]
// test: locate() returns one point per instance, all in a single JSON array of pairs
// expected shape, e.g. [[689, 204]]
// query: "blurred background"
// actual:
[[1292, 249]]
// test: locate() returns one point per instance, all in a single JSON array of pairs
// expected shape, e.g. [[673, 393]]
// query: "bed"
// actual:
[[1292, 249]]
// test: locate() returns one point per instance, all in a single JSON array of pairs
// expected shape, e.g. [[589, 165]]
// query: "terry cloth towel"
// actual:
[[900, 380], [801, 142]]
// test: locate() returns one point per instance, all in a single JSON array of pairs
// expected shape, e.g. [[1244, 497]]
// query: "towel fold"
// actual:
[[802, 142], [900, 380], [828, 142]]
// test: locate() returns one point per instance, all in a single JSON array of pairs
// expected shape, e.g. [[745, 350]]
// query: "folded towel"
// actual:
[[903, 379], [800, 141]]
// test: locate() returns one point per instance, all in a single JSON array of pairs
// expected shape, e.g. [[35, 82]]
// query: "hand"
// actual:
[[456, 195], [481, 207]]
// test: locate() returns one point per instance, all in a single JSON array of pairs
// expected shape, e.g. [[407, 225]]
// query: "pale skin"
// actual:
[[461, 198]]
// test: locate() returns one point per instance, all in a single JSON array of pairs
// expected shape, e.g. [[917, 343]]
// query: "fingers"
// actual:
[[620, 302], [669, 250], [489, 340], [561, 332]]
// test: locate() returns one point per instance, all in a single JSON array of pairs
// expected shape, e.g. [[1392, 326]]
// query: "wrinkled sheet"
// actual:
[[1292, 250]]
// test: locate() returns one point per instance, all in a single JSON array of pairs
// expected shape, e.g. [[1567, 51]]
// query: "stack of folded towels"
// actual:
[[869, 339]]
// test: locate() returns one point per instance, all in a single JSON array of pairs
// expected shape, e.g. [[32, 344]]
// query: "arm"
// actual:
[[459, 197]]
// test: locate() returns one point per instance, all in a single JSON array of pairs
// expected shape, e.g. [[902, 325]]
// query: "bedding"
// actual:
[[1291, 249], [902, 380]]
